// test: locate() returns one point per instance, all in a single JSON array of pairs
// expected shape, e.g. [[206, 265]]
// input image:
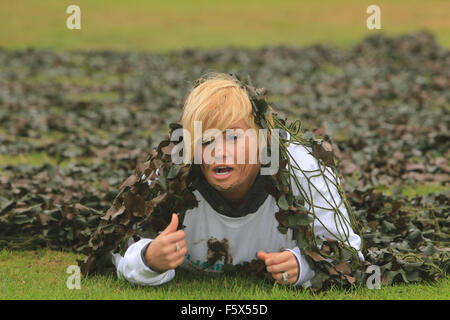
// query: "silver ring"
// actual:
[[285, 276], [177, 246]]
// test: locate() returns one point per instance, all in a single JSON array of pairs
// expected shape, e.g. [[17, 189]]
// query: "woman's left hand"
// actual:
[[278, 263]]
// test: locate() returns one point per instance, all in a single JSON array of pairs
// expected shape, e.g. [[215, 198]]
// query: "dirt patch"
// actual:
[[218, 249]]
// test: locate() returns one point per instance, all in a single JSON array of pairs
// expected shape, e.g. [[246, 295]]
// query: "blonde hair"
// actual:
[[218, 102]]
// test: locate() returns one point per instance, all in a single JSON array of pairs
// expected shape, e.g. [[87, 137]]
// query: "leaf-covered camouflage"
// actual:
[[384, 103]]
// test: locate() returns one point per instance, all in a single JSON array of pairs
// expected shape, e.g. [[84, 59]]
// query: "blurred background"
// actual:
[[80, 108], [167, 25]]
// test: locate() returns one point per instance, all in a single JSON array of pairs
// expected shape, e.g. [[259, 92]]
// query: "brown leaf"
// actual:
[[441, 163], [281, 217], [128, 182], [441, 177], [315, 256], [142, 167], [113, 212], [344, 268], [158, 199], [43, 218], [67, 212], [319, 131], [417, 176], [134, 204], [415, 167], [373, 225], [350, 279], [325, 249], [333, 271], [348, 166], [396, 205], [139, 206], [330, 240], [168, 149], [43, 176], [324, 151]]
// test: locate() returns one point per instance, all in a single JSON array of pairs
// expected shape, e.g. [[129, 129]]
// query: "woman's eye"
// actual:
[[207, 141], [232, 137]]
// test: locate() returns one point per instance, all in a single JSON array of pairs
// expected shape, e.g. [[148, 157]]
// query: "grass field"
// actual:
[[167, 25], [42, 275], [161, 26]]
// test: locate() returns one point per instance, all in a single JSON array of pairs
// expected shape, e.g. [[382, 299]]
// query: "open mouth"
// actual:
[[222, 171]]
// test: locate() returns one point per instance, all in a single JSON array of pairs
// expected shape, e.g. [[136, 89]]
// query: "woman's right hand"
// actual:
[[167, 250]]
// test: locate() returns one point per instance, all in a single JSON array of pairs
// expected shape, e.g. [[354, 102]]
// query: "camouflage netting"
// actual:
[[385, 104]]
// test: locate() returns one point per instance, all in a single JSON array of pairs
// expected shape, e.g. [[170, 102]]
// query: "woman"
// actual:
[[234, 209]]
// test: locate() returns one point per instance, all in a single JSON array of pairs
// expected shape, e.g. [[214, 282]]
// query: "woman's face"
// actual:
[[231, 164]]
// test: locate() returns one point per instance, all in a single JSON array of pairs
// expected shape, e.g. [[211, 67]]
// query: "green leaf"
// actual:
[[173, 171], [282, 229], [7, 205], [299, 200], [319, 278], [346, 254], [109, 228], [296, 220], [308, 135], [300, 239], [283, 203], [390, 276], [429, 250], [162, 181], [389, 227], [413, 276]]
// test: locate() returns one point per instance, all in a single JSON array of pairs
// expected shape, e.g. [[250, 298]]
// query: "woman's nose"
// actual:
[[222, 152]]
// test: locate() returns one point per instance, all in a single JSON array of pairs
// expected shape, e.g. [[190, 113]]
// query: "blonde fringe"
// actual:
[[218, 102]]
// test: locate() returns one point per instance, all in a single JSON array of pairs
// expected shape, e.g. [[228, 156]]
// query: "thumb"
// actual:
[[263, 255], [173, 225]]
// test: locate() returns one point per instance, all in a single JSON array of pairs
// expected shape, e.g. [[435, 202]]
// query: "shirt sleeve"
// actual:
[[322, 198], [133, 268], [305, 273], [317, 182]]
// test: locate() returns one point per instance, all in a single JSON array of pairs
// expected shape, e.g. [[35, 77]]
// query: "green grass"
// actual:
[[414, 190], [167, 25], [42, 274]]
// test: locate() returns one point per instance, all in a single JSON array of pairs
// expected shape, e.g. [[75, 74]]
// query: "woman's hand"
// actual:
[[167, 250], [278, 263]]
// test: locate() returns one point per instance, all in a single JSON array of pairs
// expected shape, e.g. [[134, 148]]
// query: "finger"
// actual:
[[278, 257], [175, 259], [279, 276], [282, 267], [177, 254], [175, 237], [263, 255], [173, 225], [179, 261], [182, 244], [171, 249]]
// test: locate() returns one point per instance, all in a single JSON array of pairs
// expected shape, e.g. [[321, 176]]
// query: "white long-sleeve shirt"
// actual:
[[248, 234]]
